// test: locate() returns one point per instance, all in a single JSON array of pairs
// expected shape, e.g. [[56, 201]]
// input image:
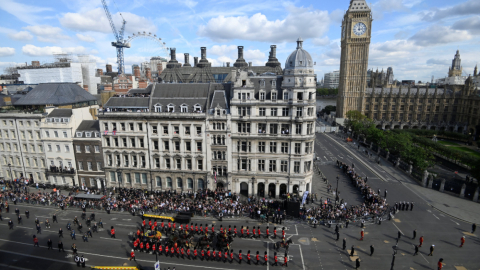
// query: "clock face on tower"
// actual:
[[359, 29]]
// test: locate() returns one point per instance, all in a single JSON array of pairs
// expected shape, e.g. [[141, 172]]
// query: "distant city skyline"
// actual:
[[417, 38]]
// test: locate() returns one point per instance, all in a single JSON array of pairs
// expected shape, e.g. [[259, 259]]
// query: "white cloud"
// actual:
[[389, 6], [252, 55], [321, 41], [85, 38], [25, 13], [396, 45], [6, 51], [305, 22], [47, 33], [95, 20], [470, 7], [222, 50], [471, 24], [438, 34], [33, 50], [440, 62], [21, 36]]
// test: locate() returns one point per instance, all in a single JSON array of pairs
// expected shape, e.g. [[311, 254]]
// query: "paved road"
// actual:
[[311, 249]]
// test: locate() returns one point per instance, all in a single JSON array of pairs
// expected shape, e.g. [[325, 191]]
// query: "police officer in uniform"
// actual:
[[60, 246], [50, 244], [82, 260], [77, 260], [54, 218], [10, 224]]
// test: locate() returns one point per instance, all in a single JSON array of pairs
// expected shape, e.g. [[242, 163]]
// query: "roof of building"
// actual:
[[181, 90], [127, 102], [299, 59], [89, 125], [56, 94], [404, 91], [219, 100], [140, 91], [60, 113]]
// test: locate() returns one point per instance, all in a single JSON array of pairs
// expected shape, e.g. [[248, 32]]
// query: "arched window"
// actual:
[[201, 184], [158, 180], [190, 183], [169, 182], [179, 182]]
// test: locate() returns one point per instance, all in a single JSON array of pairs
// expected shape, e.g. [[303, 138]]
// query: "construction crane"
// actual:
[[120, 43]]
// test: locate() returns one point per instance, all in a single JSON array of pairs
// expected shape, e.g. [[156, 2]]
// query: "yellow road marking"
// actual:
[[314, 239], [396, 220], [386, 242], [459, 267], [470, 234]]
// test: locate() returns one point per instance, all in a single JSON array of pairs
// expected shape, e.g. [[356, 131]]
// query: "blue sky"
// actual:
[[418, 38]]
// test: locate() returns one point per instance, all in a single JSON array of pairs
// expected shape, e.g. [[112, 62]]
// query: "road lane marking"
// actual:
[[113, 257], [126, 225], [398, 229], [33, 256], [436, 216], [111, 238], [455, 222]]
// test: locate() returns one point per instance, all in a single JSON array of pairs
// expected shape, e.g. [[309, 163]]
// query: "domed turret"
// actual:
[[299, 59]]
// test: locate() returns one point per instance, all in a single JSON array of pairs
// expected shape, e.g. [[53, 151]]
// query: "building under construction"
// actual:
[[63, 69]]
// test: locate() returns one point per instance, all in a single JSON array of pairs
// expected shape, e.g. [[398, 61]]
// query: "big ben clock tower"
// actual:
[[356, 34]]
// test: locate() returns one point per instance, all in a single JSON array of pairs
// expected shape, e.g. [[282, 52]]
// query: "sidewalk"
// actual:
[[462, 209]]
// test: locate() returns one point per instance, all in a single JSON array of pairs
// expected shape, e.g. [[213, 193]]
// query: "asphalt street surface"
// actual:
[[313, 248]]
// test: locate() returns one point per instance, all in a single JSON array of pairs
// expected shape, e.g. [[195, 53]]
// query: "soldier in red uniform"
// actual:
[[195, 254], [149, 223], [196, 228], [174, 226], [181, 227], [166, 250], [191, 228], [147, 247], [213, 228], [135, 245], [231, 256], [240, 257], [178, 252], [203, 254], [188, 253], [258, 257], [439, 264], [275, 232], [132, 256], [112, 232], [248, 232], [275, 258], [201, 228], [208, 254], [155, 224], [267, 232], [221, 229], [229, 229], [283, 232], [235, 230], [172, 251], [462, 241], [265, 257], [154, 248], [220, 254], [182, 252], [241, 232], [285, 260], [169, 226], [160, 248], [186, 227], [226, 255], [421, 241], [214, 255], [259, 232], [254, 232], [143, 224], [248, 257], [141, 246], [163, 226], [138, 233]]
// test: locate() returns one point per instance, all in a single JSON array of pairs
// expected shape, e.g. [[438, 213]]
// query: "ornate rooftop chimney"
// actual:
[[187, 60], [203, 61], [240, 61], [272, 58]]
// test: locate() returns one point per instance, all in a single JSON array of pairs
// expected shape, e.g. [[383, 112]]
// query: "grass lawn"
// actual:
[[467, 150], [448, 143]]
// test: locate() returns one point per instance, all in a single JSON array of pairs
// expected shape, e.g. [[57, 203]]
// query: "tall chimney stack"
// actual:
[[272, 58], [35, 63], [187, 60], [195, 61], [109, 68], [228, 64], [240, 61], [99, 72], [173, 63], [249, 64], [203, 59], [173, 55]]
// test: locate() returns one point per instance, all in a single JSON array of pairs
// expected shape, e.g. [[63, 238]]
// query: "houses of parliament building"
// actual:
[[452, 107]]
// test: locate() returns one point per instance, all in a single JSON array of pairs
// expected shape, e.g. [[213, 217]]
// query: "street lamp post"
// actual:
[[336, 193], [10, 168]]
